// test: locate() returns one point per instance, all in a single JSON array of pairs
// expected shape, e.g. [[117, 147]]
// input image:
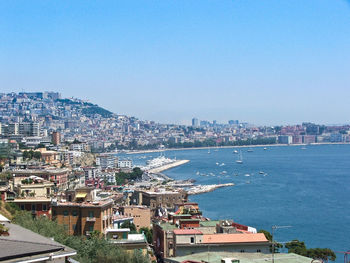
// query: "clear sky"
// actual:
[[262, 61]]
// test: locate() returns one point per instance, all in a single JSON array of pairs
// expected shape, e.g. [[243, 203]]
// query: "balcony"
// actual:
[[91, 219]]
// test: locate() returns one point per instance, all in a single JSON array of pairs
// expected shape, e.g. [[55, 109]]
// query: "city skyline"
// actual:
[[266, 62]]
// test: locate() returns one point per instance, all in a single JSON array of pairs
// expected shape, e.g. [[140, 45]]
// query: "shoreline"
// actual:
[[237, 146]]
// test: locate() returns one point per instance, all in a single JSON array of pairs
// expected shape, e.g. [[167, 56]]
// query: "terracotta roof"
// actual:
[[234, 238], [187, 232]]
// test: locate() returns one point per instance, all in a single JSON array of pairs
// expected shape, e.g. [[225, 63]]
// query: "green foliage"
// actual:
[[212, 143], [148, 233], [92, 110], [268, 236], [122, 178], [90, 250], [31, 155], [40, 145], [12, 208], [266, 233], [131, 226], [299, 247]]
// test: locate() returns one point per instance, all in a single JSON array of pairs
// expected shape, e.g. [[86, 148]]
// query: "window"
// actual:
[[22, 207], [192, 240], [91, 214], [242, 251], [65, 213], [74, 213], [91, 228], [33, 207], [258, 251], [74, 227], [44, 207]]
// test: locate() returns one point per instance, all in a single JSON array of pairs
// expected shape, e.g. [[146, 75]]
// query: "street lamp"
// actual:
[[273, 242]]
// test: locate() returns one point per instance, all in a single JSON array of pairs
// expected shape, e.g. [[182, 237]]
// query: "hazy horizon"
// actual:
[[263, 62]]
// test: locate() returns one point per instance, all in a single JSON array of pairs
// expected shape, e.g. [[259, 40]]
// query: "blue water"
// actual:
[[305, 189]]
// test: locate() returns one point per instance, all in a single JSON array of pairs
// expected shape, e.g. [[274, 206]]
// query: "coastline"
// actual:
[[237, 146]]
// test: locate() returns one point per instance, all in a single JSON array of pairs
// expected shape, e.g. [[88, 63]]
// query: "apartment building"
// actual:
[[81, 214]]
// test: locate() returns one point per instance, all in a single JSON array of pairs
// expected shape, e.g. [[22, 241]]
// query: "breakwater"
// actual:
[[167, 166], [200, 189]]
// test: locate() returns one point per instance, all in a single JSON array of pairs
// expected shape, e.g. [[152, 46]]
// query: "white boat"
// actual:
[[247, 175], [240, 158], [208, 151], [235, 151], [265, 148], [261, 172], [250, 150]]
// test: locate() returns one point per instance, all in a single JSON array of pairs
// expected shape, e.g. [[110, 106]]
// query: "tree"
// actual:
[[148, 233], [299, 247], [268, 236], [94, 249], [321, 253], [131, 226], [37, 155]]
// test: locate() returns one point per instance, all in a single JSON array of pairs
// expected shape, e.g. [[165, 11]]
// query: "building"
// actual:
[[33, 195], [121, 237], [157, 200], [238, 257], [59, 176], [141, 215], [56, 138], [195, 122], [285, 139], [125, 164], [80, 213], [107, 161], [192, 241], [29, 129]]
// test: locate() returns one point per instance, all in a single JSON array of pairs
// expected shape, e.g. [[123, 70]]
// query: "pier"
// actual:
[[167, 166], [200, 189]]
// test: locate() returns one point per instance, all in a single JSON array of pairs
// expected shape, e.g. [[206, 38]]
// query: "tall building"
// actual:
[[56, 138], [29, 129], [195, 122]]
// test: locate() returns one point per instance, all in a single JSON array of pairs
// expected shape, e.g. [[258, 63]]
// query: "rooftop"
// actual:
[[234, 238], [187, 232], [84, 204], [210, 223], [32, 246], [215, 257]]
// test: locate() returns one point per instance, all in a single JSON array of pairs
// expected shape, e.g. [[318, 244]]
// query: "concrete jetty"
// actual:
[[168, 166], [200, 189]]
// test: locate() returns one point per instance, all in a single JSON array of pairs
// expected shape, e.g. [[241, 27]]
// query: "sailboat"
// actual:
[[240, 158]]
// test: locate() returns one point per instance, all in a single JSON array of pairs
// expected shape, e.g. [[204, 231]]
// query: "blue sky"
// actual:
[[262, 61]]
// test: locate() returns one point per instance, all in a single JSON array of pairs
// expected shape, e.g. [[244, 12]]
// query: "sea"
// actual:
[[302, 190]]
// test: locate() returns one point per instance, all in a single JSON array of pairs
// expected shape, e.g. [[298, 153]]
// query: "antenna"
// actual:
[[273, 242]]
